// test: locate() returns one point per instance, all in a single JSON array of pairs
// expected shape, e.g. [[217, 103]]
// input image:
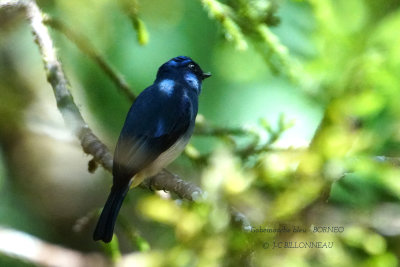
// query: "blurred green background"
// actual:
[[313, 86]]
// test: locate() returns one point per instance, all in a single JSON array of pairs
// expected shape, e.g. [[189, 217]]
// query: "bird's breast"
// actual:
[[165, 158]]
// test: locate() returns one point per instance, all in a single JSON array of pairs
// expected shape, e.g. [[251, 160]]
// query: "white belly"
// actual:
[[160, 162]]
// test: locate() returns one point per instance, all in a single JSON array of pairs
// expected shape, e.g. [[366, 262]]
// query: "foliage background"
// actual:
[[332, 63]]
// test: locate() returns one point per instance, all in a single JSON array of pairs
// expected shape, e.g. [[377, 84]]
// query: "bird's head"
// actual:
[[179, 67]]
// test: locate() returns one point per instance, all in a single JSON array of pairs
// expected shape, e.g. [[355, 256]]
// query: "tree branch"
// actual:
[[70, 112], [90, 143], [23, 246]]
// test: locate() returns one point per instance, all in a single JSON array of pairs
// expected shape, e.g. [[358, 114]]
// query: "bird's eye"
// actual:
[[191, 66]]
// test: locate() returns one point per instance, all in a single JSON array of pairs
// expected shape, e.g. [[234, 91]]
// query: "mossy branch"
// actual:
[[223, 14], [249, 22]]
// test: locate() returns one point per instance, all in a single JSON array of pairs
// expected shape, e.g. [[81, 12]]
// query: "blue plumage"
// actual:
[[156, 130]]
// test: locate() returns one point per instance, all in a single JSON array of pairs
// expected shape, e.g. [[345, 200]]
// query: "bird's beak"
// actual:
[[206, 75]]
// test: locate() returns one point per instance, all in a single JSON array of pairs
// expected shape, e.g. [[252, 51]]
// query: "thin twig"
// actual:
[[88, 49]]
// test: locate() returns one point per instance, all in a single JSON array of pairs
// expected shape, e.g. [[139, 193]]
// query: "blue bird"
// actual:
[[157, 128]]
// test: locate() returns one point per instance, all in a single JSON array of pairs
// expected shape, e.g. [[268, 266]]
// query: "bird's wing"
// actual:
[[154, 123]]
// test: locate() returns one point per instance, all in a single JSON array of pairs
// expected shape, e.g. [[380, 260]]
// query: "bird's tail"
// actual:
[[105, 226]]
